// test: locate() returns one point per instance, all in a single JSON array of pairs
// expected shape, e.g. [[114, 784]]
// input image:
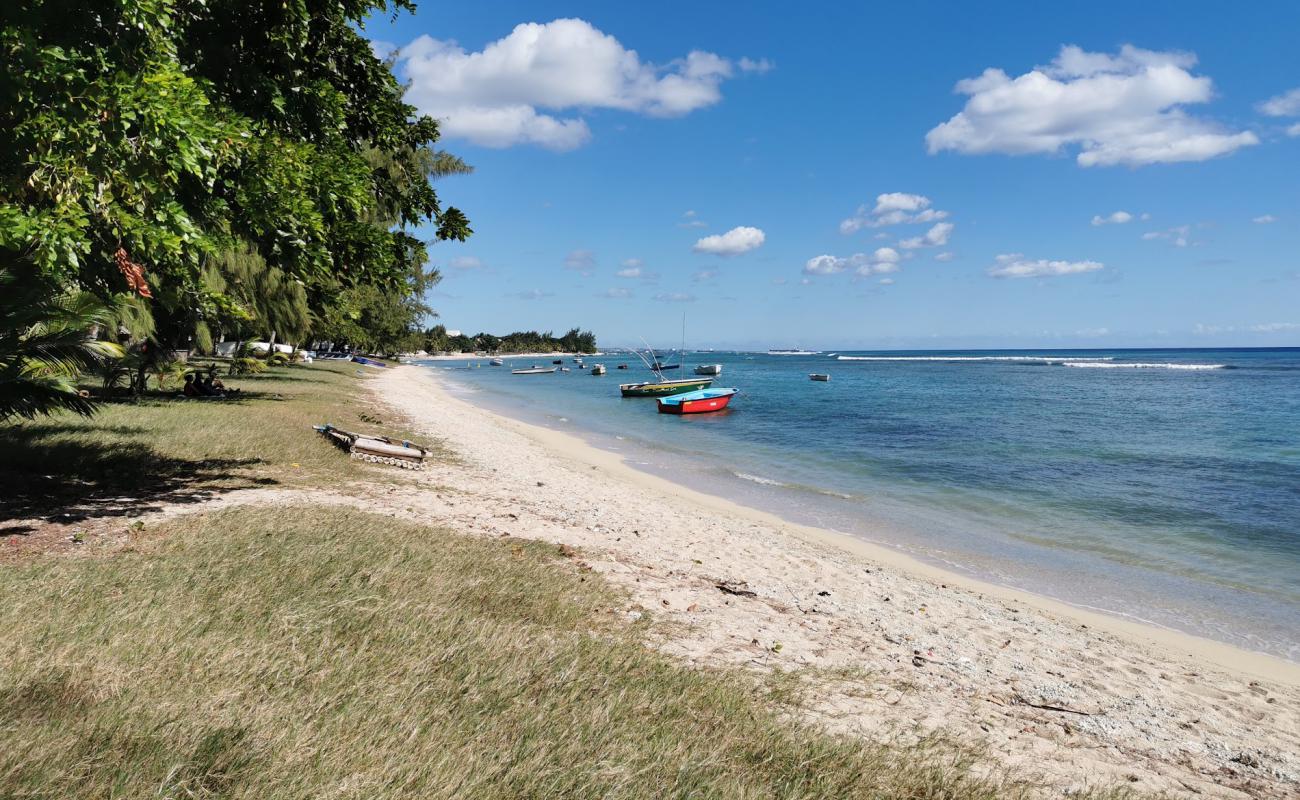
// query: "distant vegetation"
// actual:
[[436, 340]]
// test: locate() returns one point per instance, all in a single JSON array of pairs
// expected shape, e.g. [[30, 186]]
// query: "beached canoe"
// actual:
[[662, 388], [376, 449], [701, 402]]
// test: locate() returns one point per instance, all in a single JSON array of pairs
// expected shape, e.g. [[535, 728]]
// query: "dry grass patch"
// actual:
[[307, 652]]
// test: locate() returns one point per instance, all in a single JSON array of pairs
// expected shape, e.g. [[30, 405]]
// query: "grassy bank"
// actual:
[[312, 652], [139, 452]]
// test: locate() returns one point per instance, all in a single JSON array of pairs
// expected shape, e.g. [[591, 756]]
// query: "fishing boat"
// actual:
[[659, 367], [663, 388], [818, 376], [708, 369], [701, 402], [533, 371], [496, 362], [597, 369]]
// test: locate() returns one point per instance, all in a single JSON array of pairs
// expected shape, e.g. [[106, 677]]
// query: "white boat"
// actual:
[[496, 362], [708, 369], [795, 352], [597, 369], [533, 371]]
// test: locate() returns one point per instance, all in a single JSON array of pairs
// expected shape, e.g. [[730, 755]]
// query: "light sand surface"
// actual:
[[894, 648]]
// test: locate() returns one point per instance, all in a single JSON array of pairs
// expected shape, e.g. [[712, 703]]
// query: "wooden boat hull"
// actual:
[[663, 389], [700, 405]]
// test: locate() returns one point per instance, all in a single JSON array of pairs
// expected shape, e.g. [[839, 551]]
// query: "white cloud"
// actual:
[[704, 275], [1115, 218], [884, 259], [1286, 104], [630, 272], [581, 261], [465, 263], [1264, 220], [1120, 109], [691, 220], [892, 208], [732, 243], [945, 257], [616, 293], [759, 66], [1276, 327], [1294, 130], [1015, 265], [530, 294], [674, 297], [492, 96], [935, 237], [1176, 236], [1093, 333], [886, 281]]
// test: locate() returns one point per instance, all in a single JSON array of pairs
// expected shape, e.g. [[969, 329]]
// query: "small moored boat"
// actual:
[[703, 401], [533, 371], [663, 388], [818, 376], [708, 369], [496, 362], [597, 369]]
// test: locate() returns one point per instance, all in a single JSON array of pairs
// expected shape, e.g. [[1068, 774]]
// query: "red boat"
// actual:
[[700, 402]]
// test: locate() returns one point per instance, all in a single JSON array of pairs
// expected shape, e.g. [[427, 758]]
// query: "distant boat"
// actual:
[[703, 401], [597, 369], [819, 376], [795, 352], [564, 369], [622, 366], [533, 371], [663, 388], [658, 367], [558, 361], [496, 362], [709, 369]]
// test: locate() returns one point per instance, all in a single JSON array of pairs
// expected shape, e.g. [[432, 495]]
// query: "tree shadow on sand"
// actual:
[[67, 481]]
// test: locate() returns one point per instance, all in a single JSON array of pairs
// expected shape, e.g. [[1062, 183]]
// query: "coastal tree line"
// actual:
[[178, 171], [436, 340]]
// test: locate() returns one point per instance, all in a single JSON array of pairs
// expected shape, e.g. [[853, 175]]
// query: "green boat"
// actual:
[[662, 388]]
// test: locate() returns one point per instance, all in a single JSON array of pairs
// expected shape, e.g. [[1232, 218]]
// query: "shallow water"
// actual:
[[1162, 485]]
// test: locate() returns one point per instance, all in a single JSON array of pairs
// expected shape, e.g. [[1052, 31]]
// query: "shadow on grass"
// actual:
[[66, 481]]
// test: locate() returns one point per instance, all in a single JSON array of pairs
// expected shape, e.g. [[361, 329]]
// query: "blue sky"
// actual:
[[857, 193]]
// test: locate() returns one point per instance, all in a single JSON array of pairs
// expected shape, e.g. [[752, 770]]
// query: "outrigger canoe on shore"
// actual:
[[662, 388]]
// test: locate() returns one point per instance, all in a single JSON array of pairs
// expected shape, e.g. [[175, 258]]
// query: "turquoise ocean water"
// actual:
[[1162, 485]]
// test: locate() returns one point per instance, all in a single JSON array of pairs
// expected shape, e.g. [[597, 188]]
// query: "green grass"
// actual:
[[294, 653], [163, 448]]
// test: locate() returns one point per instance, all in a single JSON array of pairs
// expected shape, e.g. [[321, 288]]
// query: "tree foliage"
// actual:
[[574, 341], [238, 164]]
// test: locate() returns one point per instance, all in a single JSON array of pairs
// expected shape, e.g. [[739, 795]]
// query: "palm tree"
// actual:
[[47, 339]]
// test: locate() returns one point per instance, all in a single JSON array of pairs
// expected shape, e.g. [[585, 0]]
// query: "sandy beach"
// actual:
[[892, 647]]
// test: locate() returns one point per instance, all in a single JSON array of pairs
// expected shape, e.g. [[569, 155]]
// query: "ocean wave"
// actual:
[[757, 479], [1142, 365], [1017, 359]]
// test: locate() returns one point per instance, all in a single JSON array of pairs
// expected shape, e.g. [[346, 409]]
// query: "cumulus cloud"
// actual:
[[1264, 220], [492, 96], [1115, 218], [935, 237], [465, 263], [892, 208], [883, 260], [1177, 236], [732, 243], [616, 293], [1015, 265], [1286, 104], [674, 297], [945, 256], [583, 261], [1116, 109]]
